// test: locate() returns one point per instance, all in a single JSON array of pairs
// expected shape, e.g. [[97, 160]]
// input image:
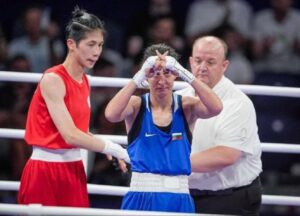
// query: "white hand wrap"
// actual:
[[173, 65], [140, 76], [115, 150]]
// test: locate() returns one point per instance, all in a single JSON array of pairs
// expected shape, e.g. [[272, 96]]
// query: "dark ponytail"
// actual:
[[82, 22]]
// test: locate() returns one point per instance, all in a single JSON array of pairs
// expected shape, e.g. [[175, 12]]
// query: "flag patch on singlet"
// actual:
[[176, 136]]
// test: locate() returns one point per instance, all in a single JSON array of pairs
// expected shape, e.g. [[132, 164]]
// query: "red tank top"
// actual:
[[40, 129]]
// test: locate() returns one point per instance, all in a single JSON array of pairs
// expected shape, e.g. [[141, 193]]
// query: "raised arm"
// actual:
[[53, 92], [124, 106], [207, 104]]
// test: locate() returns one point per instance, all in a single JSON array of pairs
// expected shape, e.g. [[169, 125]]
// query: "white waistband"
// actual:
[[56, 155], [148, 182]]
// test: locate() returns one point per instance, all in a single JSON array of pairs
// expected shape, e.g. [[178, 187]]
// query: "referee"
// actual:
[[226, 151]]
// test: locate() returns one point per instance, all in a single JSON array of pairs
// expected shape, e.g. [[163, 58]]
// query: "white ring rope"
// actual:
[[92, 188], [37, 209], [120, 191], [120, 82], [266, 147]]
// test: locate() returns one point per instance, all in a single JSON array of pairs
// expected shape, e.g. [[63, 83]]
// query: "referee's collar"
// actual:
[[220, 88]]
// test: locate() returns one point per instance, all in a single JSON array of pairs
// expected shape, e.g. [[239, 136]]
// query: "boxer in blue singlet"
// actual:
[[159, 136]]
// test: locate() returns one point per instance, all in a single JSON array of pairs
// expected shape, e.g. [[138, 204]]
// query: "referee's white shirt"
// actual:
[[234, 127]]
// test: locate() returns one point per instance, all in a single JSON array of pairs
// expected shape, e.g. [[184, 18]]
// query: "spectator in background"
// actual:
[[3, 50], [141, 21], [276, 61], [22, 93], [145, 26], [239, 70], [138, 30], [102, 68], [14, 100], [42, 50], [276, 36], [115, 58], [5, 88], [208, 16], [163, 30]]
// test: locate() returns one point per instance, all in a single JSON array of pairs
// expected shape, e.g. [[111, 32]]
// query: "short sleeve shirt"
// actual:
[[234, 127]]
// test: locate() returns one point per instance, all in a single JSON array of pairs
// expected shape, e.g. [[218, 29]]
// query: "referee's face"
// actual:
[[207, 62]]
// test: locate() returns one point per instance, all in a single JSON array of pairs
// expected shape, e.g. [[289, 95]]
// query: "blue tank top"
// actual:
[[159, 152]]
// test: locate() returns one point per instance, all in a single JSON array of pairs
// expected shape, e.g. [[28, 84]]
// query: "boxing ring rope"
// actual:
[[36, 209], [120, 191], [120, 82], [266, 147]]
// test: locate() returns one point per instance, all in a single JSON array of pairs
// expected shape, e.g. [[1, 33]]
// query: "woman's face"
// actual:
[[162, 80], [89, 49]]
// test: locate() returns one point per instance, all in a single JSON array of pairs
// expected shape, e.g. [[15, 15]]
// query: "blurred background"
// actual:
[[264, 49]]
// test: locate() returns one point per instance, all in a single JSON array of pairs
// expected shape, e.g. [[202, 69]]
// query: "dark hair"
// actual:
[[161, 48], [81, 23]]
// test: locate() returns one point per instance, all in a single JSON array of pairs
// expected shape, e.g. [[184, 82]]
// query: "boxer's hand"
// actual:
[[176, 68], [115, 150], [141, 76]]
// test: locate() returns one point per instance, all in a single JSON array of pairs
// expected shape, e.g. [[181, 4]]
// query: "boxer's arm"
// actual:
[[123, 104], [53, 91]]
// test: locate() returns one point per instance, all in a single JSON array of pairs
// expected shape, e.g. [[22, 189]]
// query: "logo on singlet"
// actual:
[[176, 136], [149, 135]]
